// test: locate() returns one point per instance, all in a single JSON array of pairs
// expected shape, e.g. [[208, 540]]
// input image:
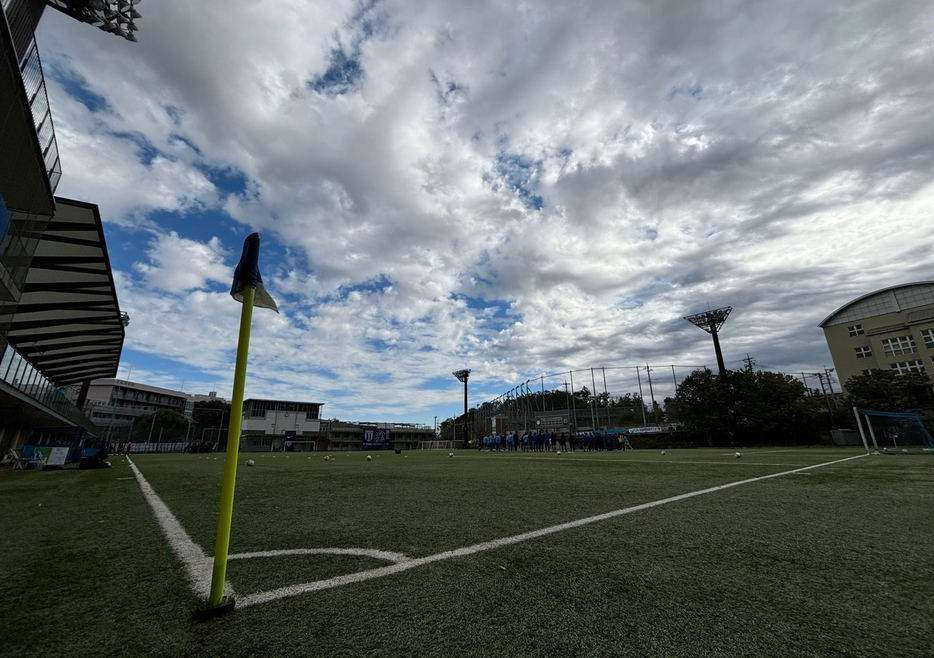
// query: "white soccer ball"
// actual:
[[250, 462], [450, 454], [327, 458], [738, 455], [559, 452], [905, 450], [663, 452], [368, 458]]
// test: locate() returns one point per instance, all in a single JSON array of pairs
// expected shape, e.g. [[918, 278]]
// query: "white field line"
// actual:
[[363, 552], [637, 462], [197, 564], [360, 576]]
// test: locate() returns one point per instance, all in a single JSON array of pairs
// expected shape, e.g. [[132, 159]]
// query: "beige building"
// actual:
[[115, 404], [890, 329], [270, 425]]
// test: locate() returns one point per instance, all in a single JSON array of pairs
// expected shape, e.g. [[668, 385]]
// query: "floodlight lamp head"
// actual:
[[461, 375], [710, 321], [114, 16]]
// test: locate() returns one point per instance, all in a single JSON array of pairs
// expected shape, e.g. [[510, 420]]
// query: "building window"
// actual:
[[927, 335], [900, 345], [904, 367], [863, 352], [867, 372], [856, 330]]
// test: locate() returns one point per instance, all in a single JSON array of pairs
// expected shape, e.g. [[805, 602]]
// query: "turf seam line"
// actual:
[[197, 564], [360, 576]]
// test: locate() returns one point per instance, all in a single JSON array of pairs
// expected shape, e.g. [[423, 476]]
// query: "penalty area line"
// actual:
[[360, 576]]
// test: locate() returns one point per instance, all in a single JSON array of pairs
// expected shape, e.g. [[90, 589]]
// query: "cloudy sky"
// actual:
[[516, 188]]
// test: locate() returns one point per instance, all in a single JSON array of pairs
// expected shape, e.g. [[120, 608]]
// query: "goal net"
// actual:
[[893, 432], [436, 445]]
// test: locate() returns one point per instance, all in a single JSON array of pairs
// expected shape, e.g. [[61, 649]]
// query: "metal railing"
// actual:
[[17, 372]]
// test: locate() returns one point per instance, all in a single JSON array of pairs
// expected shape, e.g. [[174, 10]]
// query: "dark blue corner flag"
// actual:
[[247, 274]]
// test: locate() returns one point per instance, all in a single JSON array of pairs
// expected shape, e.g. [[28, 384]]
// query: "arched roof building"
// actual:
[[889, 329]]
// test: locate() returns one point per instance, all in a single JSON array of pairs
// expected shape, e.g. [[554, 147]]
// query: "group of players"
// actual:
[[545, 441]]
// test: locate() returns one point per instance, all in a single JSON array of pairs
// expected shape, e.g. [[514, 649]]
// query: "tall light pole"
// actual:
[[462, 376], [711, 321]]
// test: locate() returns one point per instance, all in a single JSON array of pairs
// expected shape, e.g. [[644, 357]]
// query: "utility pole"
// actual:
[[648, 373], [645, 423], [749, 361], [593, 402], [827, 372], [820, 377]]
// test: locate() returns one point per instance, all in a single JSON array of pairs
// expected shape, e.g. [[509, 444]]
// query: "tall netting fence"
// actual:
[[604, 399]]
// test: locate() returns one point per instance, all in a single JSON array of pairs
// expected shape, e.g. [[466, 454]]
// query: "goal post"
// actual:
[[893, 432], [436, 445]]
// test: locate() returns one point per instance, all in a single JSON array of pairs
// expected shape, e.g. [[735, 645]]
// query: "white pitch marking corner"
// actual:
[[198, 565]]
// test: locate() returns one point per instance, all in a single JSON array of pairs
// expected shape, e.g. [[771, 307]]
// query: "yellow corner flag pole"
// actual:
[[247, 288], [222, 544]]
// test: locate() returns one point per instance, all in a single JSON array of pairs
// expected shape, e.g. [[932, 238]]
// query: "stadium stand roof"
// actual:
[[68, 322]]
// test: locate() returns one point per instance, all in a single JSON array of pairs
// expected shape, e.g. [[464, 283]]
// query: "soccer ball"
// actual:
[[250, 462], [905, 451], [738, 455], [663, 452], [559, 452], [368, 458], [450, 454], [327, 458]]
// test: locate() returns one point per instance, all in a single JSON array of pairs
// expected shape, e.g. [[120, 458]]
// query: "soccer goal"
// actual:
[[436, 445], [893, 432]]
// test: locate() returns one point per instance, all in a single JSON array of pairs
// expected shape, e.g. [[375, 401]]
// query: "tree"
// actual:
[[884, 389], [165, 425], [768, 401], [757, 405], [703, 403], [211, 413]]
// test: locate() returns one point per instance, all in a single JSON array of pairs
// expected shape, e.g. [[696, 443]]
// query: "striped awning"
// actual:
[[68, 323]]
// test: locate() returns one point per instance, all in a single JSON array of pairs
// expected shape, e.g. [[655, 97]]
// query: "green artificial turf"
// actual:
[[830, 562]]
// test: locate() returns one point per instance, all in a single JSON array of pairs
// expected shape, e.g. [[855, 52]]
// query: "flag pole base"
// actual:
[[207, 612]]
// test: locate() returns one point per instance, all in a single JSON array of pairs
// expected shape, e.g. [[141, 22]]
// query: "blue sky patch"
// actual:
[[77, 87], [227, 180], [343, 74], [694, 91], [521, 173]]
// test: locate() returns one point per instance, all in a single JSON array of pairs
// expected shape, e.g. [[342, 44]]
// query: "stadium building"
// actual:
[[276, 425], [345, 435], [889, 329], [60, 322], [292, 426], [115, 404]]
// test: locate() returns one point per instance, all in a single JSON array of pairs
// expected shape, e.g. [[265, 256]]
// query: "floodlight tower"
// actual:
[[462, 376], [711, 321], [117, 17]]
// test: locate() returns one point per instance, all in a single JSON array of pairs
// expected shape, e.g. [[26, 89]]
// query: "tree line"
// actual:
[[745, 407], [210, 420]]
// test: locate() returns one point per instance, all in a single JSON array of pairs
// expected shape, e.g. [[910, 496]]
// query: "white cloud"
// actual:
[[178, 264], [595, 172]]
